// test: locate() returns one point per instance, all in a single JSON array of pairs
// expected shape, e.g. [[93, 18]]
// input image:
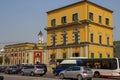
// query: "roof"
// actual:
[[40, 33], [19, 44], [79, 3]]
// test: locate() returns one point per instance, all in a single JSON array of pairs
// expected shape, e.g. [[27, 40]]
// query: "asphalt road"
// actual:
[[48, 76]]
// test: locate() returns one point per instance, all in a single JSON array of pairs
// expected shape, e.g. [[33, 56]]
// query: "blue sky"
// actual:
[[21, 20]]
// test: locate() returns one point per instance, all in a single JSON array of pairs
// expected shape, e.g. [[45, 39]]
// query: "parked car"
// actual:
[[33, 70], [77, 72], [42, 66], [19, 67], [60, 68], [2, 68], [1, 77], [11, 69]]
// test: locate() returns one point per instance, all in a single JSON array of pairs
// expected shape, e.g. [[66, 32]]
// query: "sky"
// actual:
[[22, 20]]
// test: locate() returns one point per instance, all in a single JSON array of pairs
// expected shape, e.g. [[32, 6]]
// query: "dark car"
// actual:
[[19, 67], [1, 77], [2, 68], [11, 69], [61, 67]]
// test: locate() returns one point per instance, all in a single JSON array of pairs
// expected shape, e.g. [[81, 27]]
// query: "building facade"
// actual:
[[1, 56], [24, 53], [82, 29]]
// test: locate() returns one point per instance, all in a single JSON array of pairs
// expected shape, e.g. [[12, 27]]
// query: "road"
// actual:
[[48, 76]]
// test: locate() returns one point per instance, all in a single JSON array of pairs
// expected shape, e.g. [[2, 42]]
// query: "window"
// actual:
[[91, 37], [38, 54], [27, 54], [100, 55], [75, 68], [63, 20], [19, 61], [64, 39], [75, 17], [52, 56], [108, 55], [100, 19], [107, 21], [27, 61], [23, 54], [53, 40], [23, 61], [53, 22], [64, 55], [108, 40], [91, 16], [92, 55], [100, 39], [76, 37], [75, 55]]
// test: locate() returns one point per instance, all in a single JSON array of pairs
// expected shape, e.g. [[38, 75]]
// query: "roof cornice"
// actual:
[[79, 3]]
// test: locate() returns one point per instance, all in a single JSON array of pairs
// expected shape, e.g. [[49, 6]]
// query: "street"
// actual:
[[48, 76]]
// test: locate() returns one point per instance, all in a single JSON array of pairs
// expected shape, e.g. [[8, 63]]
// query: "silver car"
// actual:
[[77, 72], [32, 70]]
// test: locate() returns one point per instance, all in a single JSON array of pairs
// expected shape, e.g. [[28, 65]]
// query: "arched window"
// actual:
[[108, 41], [52, 56], [91, 37], [53, 39], [64, 55], [64, 37], [76, 36], [100, 39], [75, 55]]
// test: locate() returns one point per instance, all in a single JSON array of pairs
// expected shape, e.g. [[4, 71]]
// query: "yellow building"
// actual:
[[82, 29]]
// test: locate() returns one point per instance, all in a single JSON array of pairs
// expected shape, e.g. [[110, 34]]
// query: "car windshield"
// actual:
[[65, 65], [88, 69], [39, 66], [13, 67]]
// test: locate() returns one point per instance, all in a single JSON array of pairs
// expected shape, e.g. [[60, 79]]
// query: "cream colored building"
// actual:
[[2, 55], [24, 53]]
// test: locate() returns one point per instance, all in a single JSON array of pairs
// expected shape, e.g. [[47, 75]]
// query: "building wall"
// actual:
[[23, 53], [85, 27]]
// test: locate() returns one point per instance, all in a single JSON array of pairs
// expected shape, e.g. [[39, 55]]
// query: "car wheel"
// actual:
[[97, 74], [79, 77], [89, 79], [55, 74], [22, 73], [61, 76], [32, 73], [41, 74]]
